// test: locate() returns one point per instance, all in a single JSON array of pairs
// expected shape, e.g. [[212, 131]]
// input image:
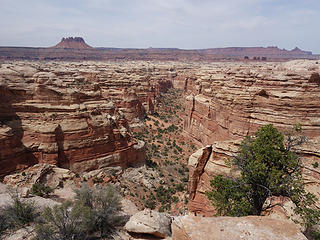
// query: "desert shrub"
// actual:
[[41, 190], [269, 166], [181, 171], [175, 199], [185, 179], [151, 164], [3, 223], [105, 205], [18, 213], [65, 222], [314, 78], [180, 187], [95, 212], [149, 203]]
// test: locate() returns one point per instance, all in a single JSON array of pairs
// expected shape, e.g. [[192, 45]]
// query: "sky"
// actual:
[[187, 24]]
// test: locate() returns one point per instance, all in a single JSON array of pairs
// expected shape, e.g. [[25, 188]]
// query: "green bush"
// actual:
[[150, 204], [3, 223], [268, 167], [41, 190], [175, 199], [180, 187], [94, 213], [105, 204], [17, 214], [65, 222]]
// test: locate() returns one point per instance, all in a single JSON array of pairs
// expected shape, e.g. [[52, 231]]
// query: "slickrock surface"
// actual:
[[75, 115], [245, 228], [150, 222], [227, 101]]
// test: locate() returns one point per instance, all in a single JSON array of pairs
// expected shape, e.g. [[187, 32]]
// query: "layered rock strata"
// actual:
[[75, 115], [225, 102]]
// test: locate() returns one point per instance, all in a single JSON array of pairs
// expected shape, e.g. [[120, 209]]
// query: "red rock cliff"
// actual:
[[227, 101], [74, 115]]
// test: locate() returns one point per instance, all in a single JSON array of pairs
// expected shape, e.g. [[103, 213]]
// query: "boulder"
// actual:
[[150, 222], [235, 228]]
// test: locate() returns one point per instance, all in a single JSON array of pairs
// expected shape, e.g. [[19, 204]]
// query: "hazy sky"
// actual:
[[162, 23]]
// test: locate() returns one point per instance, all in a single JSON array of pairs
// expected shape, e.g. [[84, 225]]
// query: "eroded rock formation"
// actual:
[[225, 102], [75, 115], [73, 43], [80, 115]]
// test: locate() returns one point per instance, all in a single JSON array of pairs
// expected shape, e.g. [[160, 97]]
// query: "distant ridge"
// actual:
[[271, 51], [76, 49], [73, 42]]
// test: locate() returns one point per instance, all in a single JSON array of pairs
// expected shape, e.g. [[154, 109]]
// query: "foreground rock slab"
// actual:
[[150, 222], [244, 228]]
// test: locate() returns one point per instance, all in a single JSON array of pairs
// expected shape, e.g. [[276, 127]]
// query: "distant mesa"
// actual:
[[73, 42]]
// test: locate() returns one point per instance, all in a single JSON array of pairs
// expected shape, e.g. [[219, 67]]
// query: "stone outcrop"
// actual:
[[75, 115], [225, 102], [47, 174], [73, 43], [220, 228], [151, 223]]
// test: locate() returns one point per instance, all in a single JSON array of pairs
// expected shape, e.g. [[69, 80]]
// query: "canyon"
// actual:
[[90, 115]]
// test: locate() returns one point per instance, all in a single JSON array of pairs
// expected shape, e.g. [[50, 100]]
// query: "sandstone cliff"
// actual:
[[74, 115], [225, 102]]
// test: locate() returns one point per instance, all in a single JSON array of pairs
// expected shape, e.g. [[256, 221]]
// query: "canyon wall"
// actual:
[[80, 115], [75, 115], [227, 101]]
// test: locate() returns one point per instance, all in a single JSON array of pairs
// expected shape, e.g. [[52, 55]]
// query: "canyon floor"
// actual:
[[159, 131]]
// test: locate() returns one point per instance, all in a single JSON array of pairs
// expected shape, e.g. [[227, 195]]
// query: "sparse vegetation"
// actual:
[[166, 155], [95, 212], [41, 190], [104, 203], [65, 222], [17, 214]]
